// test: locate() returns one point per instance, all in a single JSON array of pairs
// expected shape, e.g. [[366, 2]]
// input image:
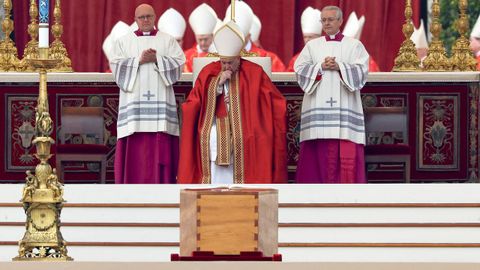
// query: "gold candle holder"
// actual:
[[436, 59], [42, 195], [407, 59], [58, 50], [31, 49], [8, 52], [462, 57]]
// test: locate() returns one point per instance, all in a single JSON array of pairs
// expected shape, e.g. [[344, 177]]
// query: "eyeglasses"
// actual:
[[145, 17], [331, 19]]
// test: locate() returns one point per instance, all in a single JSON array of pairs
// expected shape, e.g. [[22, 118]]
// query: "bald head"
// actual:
[[144, 8], [145, 17]]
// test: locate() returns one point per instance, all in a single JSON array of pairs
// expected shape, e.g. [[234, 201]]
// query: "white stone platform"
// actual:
[[317, 223]]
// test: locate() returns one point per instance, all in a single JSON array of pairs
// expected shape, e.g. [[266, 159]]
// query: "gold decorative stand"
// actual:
[[42, 194], [58, 50], [31, 49], [8, 52], [407, 59], [436, 59], [462, 58]]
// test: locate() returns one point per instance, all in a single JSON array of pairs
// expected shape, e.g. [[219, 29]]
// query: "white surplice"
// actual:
[[147, 101], [332, 106]]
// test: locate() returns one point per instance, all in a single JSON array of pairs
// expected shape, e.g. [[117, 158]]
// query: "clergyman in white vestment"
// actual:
[[331, 70], [146, 63]]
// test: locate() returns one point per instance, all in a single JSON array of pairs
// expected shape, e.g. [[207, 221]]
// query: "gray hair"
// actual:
[[337, 9]]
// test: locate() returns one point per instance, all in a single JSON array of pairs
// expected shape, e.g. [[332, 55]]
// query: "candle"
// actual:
[[43, 24]]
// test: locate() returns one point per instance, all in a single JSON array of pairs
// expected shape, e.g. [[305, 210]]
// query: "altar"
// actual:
[[442, 128]]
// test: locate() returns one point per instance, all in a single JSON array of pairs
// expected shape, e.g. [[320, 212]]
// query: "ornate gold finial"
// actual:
[[31, 49], [58, 50], [407, 59], [436, 59], [462, 57], [8, 52], [42, 195]]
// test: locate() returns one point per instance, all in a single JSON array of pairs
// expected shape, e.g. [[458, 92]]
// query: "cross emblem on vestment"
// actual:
[[148, 95], [331, 101]]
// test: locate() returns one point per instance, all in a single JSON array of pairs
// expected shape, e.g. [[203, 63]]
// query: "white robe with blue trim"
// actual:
[[147, 101], [332, 106]]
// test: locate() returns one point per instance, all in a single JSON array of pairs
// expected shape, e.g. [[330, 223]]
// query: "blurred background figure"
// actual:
[[475, 41], [119, 29], [419, 37], [255, 31], [244, 19], [172, 22], [202, 20], [353, 28], [311, 29]]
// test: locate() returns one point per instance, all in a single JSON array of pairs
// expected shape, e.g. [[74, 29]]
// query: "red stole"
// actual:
[[141, 34], [338, 37]]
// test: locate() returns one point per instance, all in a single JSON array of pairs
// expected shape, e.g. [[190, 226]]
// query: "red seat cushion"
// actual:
[[82, 149], [387, 149]]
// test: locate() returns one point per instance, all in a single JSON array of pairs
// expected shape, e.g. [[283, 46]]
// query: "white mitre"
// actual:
[[476, 29], [243, 16], [119, 29], [134, 26], [202, 20], [218, 25], [229, 40], [172, 23], [255, 29], [419, 37], [311, 21], [351, 26], [361, 23]]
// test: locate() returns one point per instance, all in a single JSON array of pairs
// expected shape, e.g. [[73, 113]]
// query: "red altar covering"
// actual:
[[442, 125]]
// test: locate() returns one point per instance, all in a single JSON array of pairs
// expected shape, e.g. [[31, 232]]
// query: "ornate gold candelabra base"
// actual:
[[8, 52], [8, 57], [42, 195], [462, 58], [31, 49], [59, 52], [436, 59], [407, 59]]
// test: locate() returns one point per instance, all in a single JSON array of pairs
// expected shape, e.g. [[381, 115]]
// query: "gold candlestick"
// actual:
[[436, 59], [31, 49], [462, 57], [8, 52], [407, 59], [58, 50], [43, 193]]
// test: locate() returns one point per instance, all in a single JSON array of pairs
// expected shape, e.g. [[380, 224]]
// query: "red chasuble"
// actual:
[[277, 64], [478, 63], [372, 65], [257, 120], [189, 55], [291, 64]]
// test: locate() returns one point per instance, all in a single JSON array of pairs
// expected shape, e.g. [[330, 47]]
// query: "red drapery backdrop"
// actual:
[[86, 23]]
